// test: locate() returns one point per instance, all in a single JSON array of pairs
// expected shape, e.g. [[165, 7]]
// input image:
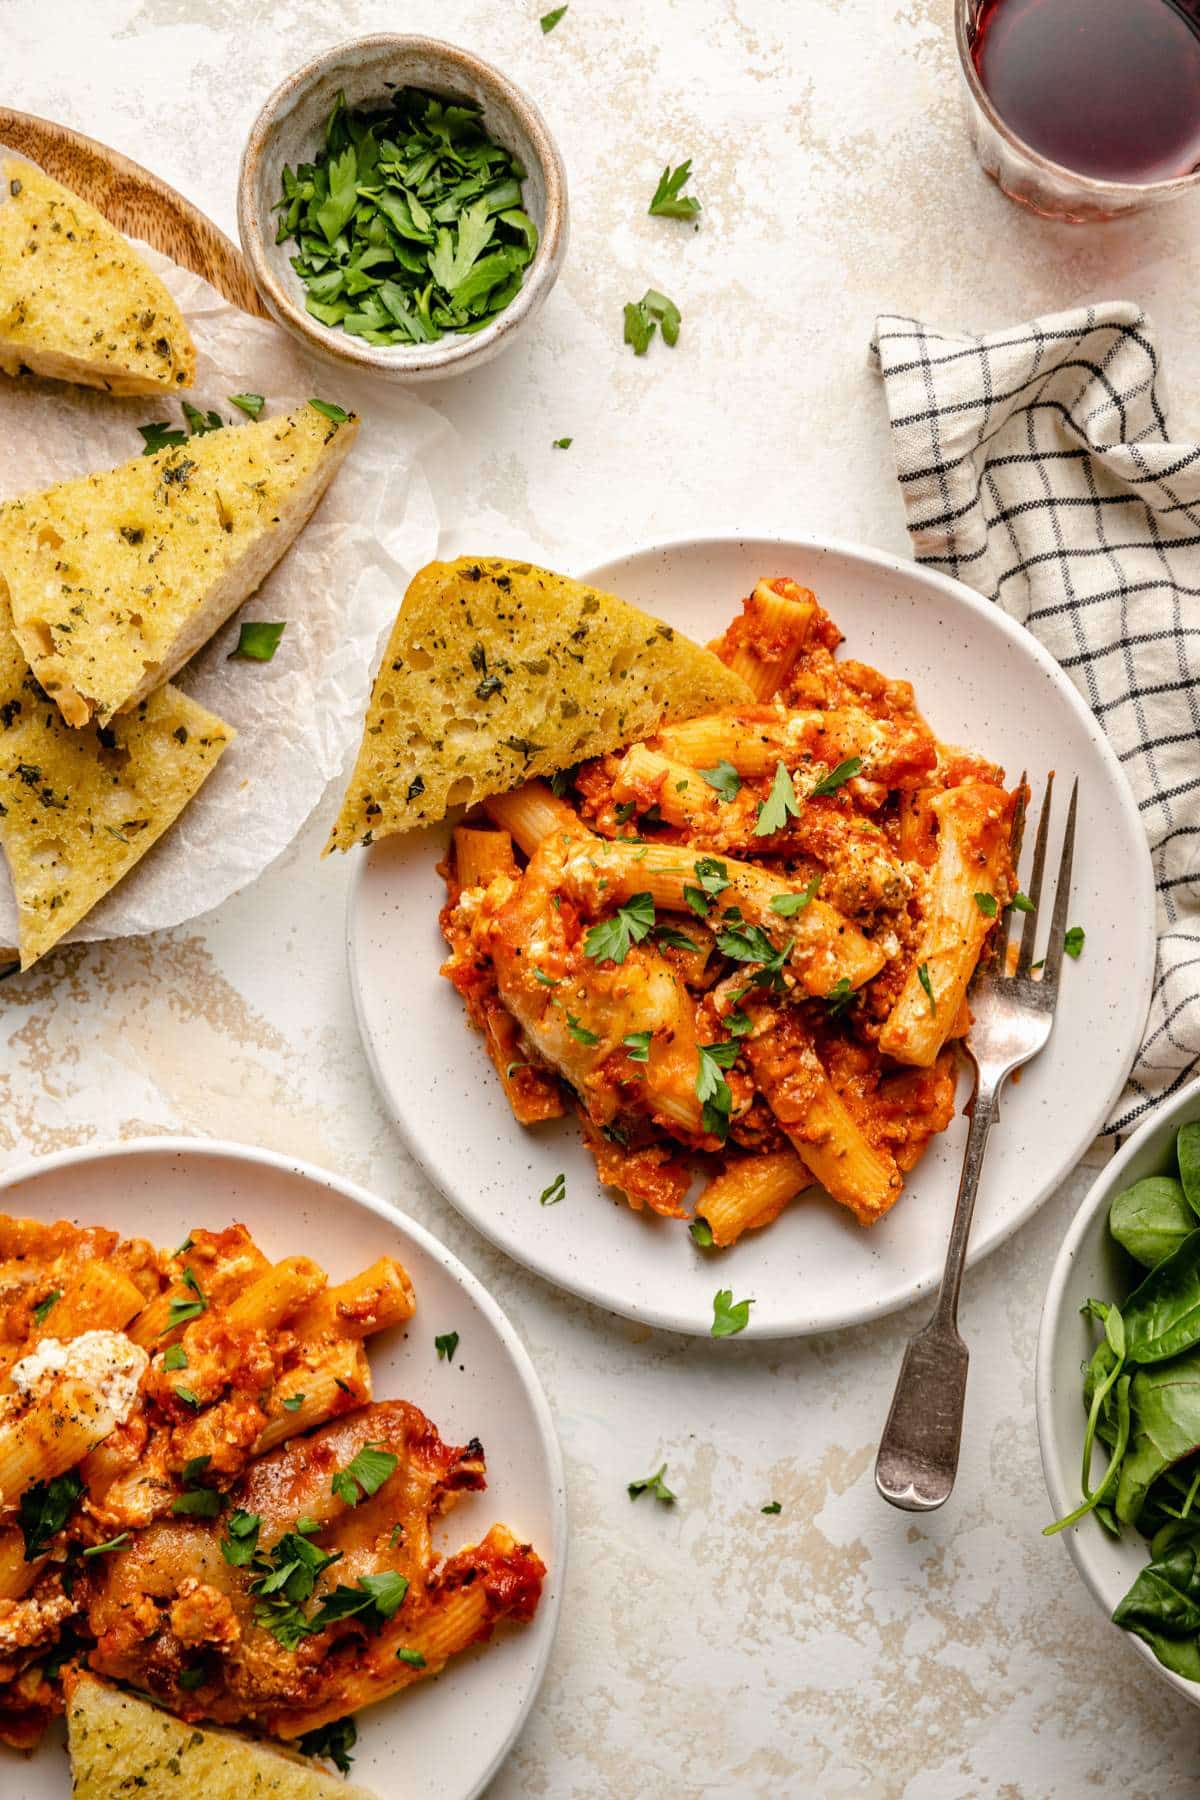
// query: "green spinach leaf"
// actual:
[[1151, 1219]]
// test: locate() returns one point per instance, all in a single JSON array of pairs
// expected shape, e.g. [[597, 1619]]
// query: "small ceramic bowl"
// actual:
[[1091, 1265], [289, 130]]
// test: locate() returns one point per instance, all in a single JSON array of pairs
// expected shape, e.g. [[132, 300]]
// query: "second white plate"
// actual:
[[981, 680]]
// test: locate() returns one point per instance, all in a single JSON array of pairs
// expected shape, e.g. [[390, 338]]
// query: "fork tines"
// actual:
[[1052, 962]]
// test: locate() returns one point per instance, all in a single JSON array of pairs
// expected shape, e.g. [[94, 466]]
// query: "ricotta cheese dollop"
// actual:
[[108, 1362]]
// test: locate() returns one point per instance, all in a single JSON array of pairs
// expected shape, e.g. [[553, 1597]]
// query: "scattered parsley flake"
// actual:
[[700, 1232], [549, 20], [550, 1196], [579, 1032], [43, 1306], [367, 1470], [248, 403], [724, 778], [729, 1315], [786, 905], [836, 778], [926, 983], [772, 1506], [986, 904], [1074, 941], [1022, 903], [638, 1045], [669, 201], [779, 805], [610, 940], [652, 1484], [446, 1345], [258, 641]]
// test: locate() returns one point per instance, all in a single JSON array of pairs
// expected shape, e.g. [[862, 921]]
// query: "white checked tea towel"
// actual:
[[1036, 465]]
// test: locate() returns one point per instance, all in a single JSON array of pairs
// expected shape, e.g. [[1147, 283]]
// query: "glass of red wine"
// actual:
[[1083, 109]]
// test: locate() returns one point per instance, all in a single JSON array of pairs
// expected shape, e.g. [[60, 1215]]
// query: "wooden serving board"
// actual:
[[141, 206], [135, 201]]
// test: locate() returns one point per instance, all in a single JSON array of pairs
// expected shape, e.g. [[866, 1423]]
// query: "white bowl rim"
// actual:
[[1142, 973], [1062, 1500], [181, 1145], [455, 350]]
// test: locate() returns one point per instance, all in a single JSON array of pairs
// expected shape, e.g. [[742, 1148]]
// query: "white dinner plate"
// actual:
[[450, 1735], [982, 681]]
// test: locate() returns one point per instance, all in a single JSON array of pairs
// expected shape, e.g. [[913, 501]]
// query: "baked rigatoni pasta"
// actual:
[[201, 1498], [742, 945]]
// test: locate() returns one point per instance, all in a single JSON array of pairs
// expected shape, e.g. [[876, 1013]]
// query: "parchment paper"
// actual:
[[337, 588]]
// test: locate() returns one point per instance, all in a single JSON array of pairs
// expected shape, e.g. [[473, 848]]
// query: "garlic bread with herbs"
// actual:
[[116, 579], [77, 302], [499, 671], [121, 1744], [78, 808]]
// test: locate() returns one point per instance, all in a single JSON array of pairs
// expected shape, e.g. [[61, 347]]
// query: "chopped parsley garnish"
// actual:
[[446, 1345], [44, 1508], [638, 1045], [678, 940], [652, 1484], [986, 904], [610, 940], [789, 904], [729, 1315], [642, 316], [240, 1543], [698, 900], [181, 1311], [1022, 903], [724, 778], [248, 403], [546, 980], [175, 1357], [335, 1740], [293, 1403], [116, 1543], [839, 996], [414, 1658], [258, 640], [772, 1506], [43, 1306], [1074, 941], [579, 1032], [284, 1579], [700, 1232], [750, 943], [712, 875], [189, 1397], [547, 22], [328, 410], [550, 1196], [200, 423], [836, 778], [159, 436], [670, 202], [926, 983], [779, 805], [712, 1089], [562, 443], [409, 221], [737, 1023], [199, 1503], [372, 1601], [368, 1470]]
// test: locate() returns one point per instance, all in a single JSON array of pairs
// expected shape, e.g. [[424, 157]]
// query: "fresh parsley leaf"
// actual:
[[446, 1345], [1022, 903], [43, 1306], [44, 1509], [724, 778], [657, 306], [712, 875], [198, 1503], [180, 1312], [367, 1470], [652, 1484], [200, 423], [160, 436], [729, 1315], [669, 201], [737, 1023], [926, 983], [700, 1232], [258, 641], [698, 900], [787, 905], [550, 1196], [678, 940], [549, 20], [839, 996], [639, 327], [750, 943], [335, 1741], [240, 1542], [546, 980], [293, 1403], [836, 778], [328, 410], [117, 1543], [194, 1468], [610, 940], [772, 1506], [712, 1089], [373, 1601], [189, 1397], [413, 1658], [780, 803], [579, 1032], [1074, 941], [986, 904], [638, 1045], [562, 443], [175, 1357], [249, 403]]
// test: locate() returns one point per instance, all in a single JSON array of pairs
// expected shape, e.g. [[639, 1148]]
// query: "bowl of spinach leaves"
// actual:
[[1118, 1391]]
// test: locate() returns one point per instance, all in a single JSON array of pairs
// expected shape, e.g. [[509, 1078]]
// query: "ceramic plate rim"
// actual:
[[858, 1313], [182, 1145]]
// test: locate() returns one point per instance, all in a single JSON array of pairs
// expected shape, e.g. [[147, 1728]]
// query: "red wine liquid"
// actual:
[[1107, 88]]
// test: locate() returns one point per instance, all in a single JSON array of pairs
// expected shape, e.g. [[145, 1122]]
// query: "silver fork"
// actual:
[[1012, 1016]]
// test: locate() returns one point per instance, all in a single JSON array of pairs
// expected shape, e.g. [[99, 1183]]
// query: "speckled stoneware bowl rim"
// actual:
[[1090, 1548], [450, 355]]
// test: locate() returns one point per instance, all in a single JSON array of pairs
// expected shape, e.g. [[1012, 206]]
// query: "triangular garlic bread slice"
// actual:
[[76, 300], [499, 671], [79, 808], [116, 579], [120, 1744]]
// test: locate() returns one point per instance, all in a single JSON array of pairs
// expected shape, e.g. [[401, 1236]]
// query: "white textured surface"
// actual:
[[838, 1649]]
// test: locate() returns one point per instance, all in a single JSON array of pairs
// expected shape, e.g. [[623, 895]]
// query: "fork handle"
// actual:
[[918, 1452]]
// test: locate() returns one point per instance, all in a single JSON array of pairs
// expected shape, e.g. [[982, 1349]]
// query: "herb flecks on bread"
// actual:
[[77, 302], [79, 808], [116, 579], [498, 671]]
